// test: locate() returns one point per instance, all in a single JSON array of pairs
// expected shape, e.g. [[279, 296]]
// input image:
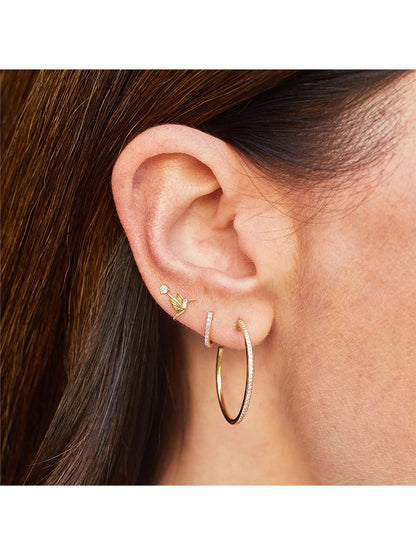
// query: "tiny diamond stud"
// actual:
[[164, 289]]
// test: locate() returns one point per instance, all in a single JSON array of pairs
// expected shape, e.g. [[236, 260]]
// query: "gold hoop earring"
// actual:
[[249, 377], [207, 341]]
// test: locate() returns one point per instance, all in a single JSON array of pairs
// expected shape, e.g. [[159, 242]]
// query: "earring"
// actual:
[[179, 304], [207, 341], [249, 375]]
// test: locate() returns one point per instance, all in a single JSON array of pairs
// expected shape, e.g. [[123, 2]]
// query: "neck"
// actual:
[[262, 450]]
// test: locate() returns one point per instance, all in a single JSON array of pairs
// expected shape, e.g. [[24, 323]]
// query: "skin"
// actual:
[[329, 302]]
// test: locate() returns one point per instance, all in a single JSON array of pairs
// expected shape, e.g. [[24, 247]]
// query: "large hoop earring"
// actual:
[[249, 377]]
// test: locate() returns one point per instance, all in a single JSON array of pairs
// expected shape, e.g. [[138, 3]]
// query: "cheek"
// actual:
[[353, 365]]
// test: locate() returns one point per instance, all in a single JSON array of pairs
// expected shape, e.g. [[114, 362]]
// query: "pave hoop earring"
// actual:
[[249, 377], [207, 341]]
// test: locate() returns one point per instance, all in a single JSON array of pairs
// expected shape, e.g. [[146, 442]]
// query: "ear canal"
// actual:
[[204, 238]]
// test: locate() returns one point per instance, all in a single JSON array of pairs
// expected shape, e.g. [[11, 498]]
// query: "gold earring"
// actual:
[[179, 304], [249, 377], [207, 341]]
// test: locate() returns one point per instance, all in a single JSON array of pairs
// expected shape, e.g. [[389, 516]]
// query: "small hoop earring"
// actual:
[[249, 377], [207, 341]]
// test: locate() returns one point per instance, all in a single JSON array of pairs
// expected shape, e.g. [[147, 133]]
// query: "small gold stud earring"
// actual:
[[180, 304]]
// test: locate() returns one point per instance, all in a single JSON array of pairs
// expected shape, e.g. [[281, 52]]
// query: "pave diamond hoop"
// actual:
[[207, 341], [249, 377]]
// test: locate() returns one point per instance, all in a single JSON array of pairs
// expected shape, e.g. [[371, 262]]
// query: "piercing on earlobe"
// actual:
[[180, 304], [207, 341]]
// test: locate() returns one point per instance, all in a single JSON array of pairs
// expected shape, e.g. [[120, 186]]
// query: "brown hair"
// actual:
[[89, 387]]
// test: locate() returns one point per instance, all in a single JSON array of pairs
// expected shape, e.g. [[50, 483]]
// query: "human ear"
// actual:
[[196, 222]]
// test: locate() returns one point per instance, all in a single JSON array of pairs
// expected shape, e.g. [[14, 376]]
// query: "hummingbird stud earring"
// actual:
[[179, 303]]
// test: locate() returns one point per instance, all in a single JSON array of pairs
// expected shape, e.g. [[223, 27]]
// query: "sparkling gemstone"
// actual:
[[164, 289]]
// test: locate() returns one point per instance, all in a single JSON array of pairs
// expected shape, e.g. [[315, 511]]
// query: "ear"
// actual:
[[196, 221]]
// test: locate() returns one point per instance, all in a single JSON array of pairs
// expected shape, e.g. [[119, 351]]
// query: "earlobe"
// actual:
[[187, 210]]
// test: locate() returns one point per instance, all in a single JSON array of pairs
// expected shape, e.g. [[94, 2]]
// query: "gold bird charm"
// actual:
[[179, 304]]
